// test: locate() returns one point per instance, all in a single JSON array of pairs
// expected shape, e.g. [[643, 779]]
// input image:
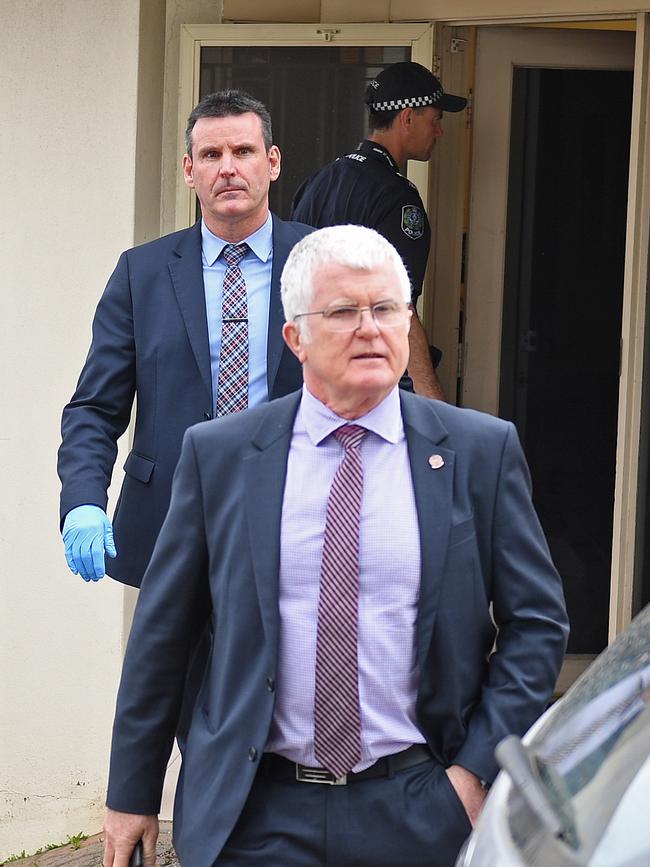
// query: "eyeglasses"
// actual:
[[386, 314]]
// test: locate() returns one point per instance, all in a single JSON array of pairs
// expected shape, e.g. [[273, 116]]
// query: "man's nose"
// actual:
[[227, 164], [367, 326]]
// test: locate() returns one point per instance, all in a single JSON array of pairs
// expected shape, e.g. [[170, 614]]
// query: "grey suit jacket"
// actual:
[[218, 557]]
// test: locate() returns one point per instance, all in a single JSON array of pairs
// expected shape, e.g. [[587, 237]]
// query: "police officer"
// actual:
[[368, 187]]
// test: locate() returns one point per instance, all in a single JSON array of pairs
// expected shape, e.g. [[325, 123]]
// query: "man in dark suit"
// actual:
[[382, 603], [159, 335]]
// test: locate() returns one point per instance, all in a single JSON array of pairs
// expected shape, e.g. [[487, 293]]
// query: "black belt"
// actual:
[[279, 768]]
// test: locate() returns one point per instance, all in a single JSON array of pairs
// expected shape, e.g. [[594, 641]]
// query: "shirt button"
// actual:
[[252, 754], [270, 684]]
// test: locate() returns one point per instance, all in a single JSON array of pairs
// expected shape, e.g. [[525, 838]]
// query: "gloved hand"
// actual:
[[87, 533]]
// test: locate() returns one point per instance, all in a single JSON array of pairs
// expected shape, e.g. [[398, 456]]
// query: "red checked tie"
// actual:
[[337, 719], [232, 388]]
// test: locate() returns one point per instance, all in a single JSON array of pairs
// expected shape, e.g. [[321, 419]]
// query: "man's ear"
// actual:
[[294, 340], [275, 161], [187, 171], [406, 117]]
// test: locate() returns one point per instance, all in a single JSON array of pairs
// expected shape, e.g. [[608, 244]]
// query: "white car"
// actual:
[[575, 791]]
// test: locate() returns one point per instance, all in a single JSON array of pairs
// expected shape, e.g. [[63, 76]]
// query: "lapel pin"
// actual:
[[436, 461]]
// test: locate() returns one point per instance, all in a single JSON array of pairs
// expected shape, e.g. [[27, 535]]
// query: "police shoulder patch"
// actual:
[[412, 221]]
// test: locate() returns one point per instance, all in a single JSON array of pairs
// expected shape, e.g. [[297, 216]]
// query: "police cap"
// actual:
[[409, 85]]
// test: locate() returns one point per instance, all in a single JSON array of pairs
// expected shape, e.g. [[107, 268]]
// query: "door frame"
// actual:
[[635, 282], [635, 287], [487, 222], [442, 304], [194, 37]]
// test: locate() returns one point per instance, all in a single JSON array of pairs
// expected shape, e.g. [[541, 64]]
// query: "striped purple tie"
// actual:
[[337, 719], [232, 387]]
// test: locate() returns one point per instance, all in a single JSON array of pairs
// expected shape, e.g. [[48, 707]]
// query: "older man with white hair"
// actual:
[[382, 604]]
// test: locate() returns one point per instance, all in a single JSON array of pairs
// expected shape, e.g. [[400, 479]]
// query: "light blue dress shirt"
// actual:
[[256, 269]]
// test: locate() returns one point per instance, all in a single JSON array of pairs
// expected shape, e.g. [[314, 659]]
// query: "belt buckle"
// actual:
[[319, 775]]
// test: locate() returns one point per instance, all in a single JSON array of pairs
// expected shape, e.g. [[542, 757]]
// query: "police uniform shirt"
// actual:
[[366, 188]]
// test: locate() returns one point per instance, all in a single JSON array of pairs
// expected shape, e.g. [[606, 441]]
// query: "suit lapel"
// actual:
[[186, 271], [265, 476], [433, 498], [282, 244]]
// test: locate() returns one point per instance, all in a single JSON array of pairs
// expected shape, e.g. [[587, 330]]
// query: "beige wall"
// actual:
[[69, 107], [456, 10], [148, 145], [304, 11], [178, 12]]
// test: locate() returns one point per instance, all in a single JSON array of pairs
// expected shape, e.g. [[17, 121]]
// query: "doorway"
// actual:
[[563, 295], [545, 274]]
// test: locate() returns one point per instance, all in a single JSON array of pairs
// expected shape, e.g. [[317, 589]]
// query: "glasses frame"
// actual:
[[360, 310]]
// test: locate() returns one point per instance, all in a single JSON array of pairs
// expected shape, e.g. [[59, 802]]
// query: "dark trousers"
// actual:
[[412, 819]]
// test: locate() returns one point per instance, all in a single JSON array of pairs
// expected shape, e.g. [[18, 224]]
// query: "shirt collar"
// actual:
[[379, 152], [260, 242], [385, 419]]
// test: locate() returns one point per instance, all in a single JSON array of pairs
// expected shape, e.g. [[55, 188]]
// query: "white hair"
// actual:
[[355, 247]]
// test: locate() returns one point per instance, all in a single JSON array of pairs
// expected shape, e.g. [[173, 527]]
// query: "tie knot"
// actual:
[[350, 435], [234, 253]]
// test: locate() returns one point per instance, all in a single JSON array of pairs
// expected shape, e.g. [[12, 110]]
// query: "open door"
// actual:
[[545, 283]]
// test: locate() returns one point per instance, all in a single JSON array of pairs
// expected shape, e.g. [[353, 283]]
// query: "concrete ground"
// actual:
[[89, 853]]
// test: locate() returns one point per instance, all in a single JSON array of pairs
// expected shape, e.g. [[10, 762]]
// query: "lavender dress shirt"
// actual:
[[389, 582]]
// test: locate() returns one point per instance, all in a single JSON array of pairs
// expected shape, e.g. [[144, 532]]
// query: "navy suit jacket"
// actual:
[[150, 339], [217, 558]]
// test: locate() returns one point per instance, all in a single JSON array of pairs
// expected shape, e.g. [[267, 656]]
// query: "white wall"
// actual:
[[68, 97], [178, 12]]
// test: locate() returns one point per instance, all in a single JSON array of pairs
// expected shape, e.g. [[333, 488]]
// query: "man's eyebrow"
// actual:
[[216, 146]]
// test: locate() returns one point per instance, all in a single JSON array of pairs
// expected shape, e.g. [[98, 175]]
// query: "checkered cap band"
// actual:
[[407, 102]]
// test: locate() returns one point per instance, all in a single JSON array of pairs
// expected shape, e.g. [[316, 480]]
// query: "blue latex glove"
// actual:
[[87, 534]]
